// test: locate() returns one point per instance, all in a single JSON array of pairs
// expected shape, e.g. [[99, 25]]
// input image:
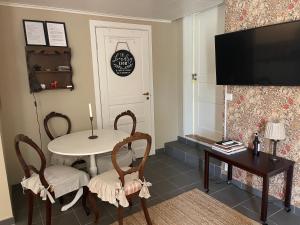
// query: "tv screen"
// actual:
[[262, 56]]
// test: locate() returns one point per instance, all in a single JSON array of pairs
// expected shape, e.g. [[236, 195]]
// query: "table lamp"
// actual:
[[275, 132]]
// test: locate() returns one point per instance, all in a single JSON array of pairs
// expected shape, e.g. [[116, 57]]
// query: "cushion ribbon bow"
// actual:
[[144, 192], [44, 193], [121, 196]]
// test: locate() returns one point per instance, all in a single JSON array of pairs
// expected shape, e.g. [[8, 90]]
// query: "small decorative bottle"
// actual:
[[256, 144]]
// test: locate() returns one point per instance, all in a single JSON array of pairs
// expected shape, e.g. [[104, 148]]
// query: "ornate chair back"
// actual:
[[28, 167], [140, 167], [51, 116], [133, 117]]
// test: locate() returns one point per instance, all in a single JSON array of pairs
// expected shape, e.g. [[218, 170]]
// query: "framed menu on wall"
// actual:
[[56, 33], [34, 32]]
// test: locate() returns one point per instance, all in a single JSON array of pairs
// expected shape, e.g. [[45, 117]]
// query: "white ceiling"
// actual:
[[149, 9]]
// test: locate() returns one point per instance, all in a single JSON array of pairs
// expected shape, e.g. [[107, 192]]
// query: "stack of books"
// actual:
[[229, 147]]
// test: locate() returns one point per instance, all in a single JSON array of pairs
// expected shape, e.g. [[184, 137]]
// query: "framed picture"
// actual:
[[56, 34], [34, 31]]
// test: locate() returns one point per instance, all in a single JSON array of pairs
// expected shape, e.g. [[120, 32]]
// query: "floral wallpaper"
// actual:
[[252, 107]]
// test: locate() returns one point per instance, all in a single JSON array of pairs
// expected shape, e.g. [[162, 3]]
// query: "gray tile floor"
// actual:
[[169, 178]]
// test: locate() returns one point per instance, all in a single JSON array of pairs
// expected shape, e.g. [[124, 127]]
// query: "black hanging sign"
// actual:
[[122, 61]]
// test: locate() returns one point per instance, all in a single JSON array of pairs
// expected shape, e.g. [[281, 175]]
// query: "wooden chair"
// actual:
[[64, 160], [126, 157], [120, 174], [48, 177], [51, 116], [133, 117]]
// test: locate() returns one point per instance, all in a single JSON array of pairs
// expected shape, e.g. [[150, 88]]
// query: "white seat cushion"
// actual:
[[65, 179], [104, 163], [108, 185], [61, 179]]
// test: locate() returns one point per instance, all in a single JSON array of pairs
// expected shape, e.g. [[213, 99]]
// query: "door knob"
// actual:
[[146, 93]]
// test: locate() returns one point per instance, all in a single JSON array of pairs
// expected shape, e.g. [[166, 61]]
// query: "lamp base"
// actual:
[[274, 158], [93, 137]]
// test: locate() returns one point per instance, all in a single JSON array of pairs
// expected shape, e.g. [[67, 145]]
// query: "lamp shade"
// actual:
[[275, 131]]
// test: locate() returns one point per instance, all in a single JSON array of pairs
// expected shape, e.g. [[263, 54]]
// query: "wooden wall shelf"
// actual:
[[37, 72], [42, 66]]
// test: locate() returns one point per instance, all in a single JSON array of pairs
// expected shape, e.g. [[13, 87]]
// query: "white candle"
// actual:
[[90, 109]]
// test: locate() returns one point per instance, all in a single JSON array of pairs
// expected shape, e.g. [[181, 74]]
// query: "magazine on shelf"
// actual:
[[230, 153], [229, 143], [229, 147]]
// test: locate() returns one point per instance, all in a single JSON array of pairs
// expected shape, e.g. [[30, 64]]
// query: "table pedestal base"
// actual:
[[73, 202], [93, 167]]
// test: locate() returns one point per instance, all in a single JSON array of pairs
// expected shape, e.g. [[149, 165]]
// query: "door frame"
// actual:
[[94, 24]]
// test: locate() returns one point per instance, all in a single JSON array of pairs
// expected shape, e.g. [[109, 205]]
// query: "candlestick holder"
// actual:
[[92, 136]]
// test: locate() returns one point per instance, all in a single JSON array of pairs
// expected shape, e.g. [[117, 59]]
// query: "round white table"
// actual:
[[78, 144]]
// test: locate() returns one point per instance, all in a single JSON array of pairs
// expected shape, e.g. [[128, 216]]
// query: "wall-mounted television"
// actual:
[[267, 55]]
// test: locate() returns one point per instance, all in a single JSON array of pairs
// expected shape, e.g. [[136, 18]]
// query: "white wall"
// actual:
[[5, 207], [208, 98]]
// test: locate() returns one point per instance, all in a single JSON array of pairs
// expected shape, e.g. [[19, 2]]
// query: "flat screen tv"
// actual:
[[267, 55]]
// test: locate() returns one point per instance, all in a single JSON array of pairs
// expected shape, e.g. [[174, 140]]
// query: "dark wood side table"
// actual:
[[261, 166]]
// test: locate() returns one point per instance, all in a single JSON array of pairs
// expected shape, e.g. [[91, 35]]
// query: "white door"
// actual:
[[203, 99], [208, 97], [123, 92]]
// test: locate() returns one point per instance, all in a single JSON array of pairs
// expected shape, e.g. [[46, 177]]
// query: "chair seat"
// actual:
[[61, 179], [107, 186], [62, 160], [124, 158]]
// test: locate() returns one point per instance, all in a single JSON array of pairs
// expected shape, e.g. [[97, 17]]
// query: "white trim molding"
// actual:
[[82, 12], [188, 120]]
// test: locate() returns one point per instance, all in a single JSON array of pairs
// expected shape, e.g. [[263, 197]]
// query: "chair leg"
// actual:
[[48, 212], [84, 198], [30, 206], [120, 215], [146, 213], [92, 200], [130, 202], [61, 200]]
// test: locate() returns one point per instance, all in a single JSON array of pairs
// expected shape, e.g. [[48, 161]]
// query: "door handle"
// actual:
[[146, 93]]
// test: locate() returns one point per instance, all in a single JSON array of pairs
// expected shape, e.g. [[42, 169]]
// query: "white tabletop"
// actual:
[[78, 143]]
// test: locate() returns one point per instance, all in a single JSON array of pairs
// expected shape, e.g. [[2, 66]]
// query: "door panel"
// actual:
[[118, 93], [208, 97]]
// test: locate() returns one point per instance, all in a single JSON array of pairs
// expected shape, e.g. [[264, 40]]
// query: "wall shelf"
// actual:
[[42, 64], [37, 72]]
